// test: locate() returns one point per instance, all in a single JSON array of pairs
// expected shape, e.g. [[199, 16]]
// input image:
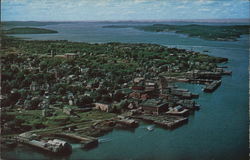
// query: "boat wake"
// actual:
[[149, 128], [103, 140]]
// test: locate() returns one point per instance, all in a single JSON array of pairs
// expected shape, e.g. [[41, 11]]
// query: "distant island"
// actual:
[[29, 23], [28, 30], [218, 33]]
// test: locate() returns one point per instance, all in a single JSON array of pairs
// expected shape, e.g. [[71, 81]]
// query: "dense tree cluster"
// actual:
[[102, 67]]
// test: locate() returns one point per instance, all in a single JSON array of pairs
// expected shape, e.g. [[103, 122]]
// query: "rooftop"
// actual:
[[153, 102]]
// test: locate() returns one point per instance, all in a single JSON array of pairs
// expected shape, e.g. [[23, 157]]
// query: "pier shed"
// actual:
[[154, 106]]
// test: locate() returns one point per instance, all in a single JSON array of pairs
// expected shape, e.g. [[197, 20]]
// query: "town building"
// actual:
[[155, 106], [103, 107]]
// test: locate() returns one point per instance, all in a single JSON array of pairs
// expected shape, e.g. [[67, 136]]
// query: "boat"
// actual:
[[150, 128]]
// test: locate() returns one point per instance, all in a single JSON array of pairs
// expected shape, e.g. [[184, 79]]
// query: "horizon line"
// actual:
[[149, 20]]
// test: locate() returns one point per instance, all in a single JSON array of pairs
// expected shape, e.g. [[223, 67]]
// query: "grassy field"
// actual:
[[34, 119]]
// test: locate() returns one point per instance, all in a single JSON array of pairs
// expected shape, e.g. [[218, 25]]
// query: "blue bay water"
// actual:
[[218, 131]]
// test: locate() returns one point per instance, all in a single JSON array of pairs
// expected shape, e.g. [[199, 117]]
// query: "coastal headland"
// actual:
[[207, 32]]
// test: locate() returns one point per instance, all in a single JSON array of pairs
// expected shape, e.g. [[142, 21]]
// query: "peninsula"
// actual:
[[208, 32], [86, 90]]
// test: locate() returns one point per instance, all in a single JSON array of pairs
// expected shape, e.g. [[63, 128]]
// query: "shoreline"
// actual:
[[207, 108], [151, 85]]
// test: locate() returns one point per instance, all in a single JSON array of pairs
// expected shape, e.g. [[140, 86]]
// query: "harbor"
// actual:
[[161, 103], [54, 142], [201, 132]]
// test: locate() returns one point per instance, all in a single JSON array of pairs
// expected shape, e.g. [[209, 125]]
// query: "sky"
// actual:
[[112, 10]]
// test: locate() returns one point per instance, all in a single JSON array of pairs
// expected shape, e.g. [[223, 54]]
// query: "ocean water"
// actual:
[[218, 131]]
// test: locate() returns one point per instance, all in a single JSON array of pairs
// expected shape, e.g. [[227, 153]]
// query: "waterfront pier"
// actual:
[[55, 146], [85, 141], [212, 86]]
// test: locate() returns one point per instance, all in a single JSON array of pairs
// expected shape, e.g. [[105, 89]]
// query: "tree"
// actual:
[[20, 76], [6, 87], [118, 96], [107, 99], [6, 75], [23, 93], [43, 65], [14, 84], [103, 91], [120, 80], [34, 103], [61, 91], [84, 100], [26, 82], [14, 97], [117, 108], [75, 89], [53, 99], [10, 100]]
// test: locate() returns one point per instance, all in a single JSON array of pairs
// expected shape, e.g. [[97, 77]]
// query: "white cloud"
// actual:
[[205, 1], [227, 3], [180, 7], [122, 9], [204, 9]]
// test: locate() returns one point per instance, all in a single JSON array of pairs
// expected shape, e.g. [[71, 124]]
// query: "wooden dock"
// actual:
[[129, 123], [227, 73], [87, 142], [54, 146], [200, 81], [165, 121], [212, 86], [184, 112]]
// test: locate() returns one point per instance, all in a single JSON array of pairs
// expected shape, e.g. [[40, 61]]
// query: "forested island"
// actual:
[[28, 30], [89, 89], [208, 32]]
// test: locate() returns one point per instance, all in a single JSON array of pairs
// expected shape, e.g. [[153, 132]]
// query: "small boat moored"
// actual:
[[150, 128]]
